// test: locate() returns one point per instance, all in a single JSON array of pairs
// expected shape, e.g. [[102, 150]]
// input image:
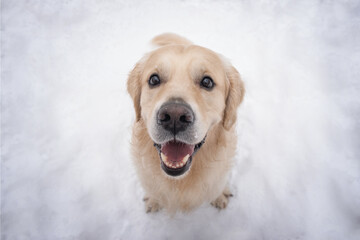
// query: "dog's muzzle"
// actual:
[[175, 124]]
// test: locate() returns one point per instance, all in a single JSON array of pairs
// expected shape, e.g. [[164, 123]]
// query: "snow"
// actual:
[[66, 118]]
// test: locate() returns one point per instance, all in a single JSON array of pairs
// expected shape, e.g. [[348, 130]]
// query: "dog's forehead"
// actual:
[[176, 55]]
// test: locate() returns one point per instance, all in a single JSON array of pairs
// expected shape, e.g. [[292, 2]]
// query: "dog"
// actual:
[[183, 140]]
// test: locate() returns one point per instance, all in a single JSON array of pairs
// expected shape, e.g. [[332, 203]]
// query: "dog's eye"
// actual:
[[207, 83], [154, 80]]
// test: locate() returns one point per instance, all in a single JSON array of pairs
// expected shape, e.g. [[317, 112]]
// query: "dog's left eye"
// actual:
[[154, 80], [207, 83]]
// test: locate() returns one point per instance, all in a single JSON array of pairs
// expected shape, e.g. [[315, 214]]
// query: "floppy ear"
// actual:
[[134, 89], [234, 98]]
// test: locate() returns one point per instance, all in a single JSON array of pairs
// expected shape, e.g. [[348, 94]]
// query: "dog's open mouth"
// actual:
[[176, 157]]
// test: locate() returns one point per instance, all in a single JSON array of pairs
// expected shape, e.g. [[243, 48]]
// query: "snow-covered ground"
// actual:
[[66, 118]]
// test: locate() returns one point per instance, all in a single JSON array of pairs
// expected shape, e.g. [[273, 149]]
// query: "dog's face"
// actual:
[[180, 92]]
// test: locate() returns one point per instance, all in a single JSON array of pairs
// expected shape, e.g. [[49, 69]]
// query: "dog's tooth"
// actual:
[[164, 157], [174, 165], [165, 160], [184, 160]]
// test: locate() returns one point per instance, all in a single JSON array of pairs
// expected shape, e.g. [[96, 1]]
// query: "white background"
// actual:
[[66, 118]]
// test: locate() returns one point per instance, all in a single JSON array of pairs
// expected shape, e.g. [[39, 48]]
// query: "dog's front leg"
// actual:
[[151, 205], [222, 201]]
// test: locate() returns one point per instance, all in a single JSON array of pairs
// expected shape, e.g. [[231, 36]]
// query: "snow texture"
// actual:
[[66, 118]]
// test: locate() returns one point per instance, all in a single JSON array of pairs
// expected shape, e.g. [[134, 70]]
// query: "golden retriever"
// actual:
[[185, 99]]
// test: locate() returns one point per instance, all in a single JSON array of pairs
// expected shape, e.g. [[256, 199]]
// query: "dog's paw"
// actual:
[[151, 205], [223, 200]]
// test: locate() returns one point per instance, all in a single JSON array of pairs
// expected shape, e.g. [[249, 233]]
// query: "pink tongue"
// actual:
[[176, 151]]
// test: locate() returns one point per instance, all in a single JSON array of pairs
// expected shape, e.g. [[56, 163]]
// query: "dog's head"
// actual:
[[181, 91]]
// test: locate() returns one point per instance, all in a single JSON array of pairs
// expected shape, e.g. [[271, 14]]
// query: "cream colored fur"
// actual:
[[206, 181]]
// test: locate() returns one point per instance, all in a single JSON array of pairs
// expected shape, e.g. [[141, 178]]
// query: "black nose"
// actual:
[[175, 117]]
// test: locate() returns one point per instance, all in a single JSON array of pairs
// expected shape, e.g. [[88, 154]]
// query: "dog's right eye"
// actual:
[[154, 80]]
